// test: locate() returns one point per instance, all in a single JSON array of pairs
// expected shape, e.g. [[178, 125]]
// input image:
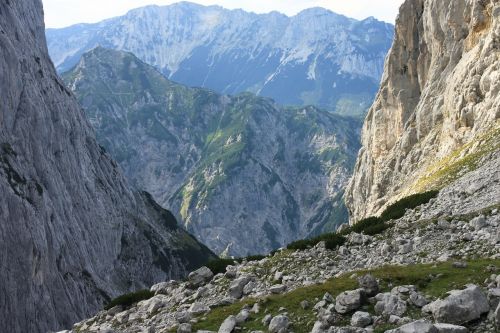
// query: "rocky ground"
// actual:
[[371, 284]]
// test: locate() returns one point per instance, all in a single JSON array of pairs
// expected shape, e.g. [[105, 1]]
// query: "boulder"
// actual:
[[461, 306], [228, 325], [419, 326], [277, 289], [449, 328], [237, 285], [361, 319], [389, 304], [198, 308], [242, 316], [497, 315], [279, 324], [349, 301], [184, 328], [418, 299], [369, 284], [479, 222], [200, 276]]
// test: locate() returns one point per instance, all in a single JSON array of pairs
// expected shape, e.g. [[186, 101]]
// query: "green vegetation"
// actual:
[[219, 265], [397, 209], [332, 240], [369, 226], [130, 299], [433, 280]]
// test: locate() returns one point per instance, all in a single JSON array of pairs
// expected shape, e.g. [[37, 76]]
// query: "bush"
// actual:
[[332, 240], [397, 209], [219, 265], [255, 257], [129, 299]]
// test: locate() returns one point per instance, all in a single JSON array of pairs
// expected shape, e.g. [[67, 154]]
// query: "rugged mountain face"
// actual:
[[243, 174], [316, 57], [72, 231], [437, 113]]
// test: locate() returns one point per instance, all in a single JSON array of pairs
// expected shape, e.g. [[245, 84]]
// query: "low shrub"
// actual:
[[129, 299], [397, 209], [332, 240], [219, 265]]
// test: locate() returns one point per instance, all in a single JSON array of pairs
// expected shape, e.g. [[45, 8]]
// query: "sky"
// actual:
[[62, 13]]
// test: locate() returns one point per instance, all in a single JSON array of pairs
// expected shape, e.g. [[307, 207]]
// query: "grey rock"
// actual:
[[184, 328], [277, 289], [242, 316], [418, 299], [348, 301], [236, 286], [389, 304], [279, 324], [198, 308], [369, 284], [228, 325], [497, 315], [419, 326], [478, 222], [200, 276], [461, 306], [449, 328], [71, 222], [361, 319], [267, 319]]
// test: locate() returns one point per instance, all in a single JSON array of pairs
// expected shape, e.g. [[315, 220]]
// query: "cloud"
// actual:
[[60, 13]]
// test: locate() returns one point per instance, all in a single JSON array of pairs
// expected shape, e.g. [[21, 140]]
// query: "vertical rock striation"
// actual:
[[436, 113], [72, 232]]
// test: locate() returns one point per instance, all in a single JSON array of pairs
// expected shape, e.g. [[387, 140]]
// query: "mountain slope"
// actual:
[[72, 231], [437, 113], [316, 57], [228, 167]]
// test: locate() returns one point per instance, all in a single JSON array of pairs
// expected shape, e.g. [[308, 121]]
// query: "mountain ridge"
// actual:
[[315, 57], [200, 153]]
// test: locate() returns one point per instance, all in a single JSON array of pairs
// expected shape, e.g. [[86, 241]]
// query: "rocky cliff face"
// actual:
[[316, 57], [436, 114], [243, 174], [72, 231]]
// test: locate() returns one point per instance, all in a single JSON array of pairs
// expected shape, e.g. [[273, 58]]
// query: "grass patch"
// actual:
[[130, 299], [219, 265], [433, 280]]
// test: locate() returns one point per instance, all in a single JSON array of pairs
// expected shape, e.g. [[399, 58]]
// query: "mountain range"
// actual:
[[316, 57], [227, 166]]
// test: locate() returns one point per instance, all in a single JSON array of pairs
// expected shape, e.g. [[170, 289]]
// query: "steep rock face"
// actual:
[[316, 57], [243, 174], [72, 232], [436, 114]]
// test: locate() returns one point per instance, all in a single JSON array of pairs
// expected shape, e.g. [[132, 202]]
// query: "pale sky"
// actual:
[[62, 13]]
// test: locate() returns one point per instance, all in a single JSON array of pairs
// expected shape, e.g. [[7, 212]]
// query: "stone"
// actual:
[[418, 299], [304, 304], [460, 264], [242, 316], [348, 301], [361, 319], [369, 284], [277, 289], [497, 315], [198, 308], [419, 326], [449, 328], [267, 319], [279, 324], [183, 316], [461, 306], [200, 276], [327, 297], [236, 286], [184, 328], [389, 304], [478, 222], [228, 325]]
